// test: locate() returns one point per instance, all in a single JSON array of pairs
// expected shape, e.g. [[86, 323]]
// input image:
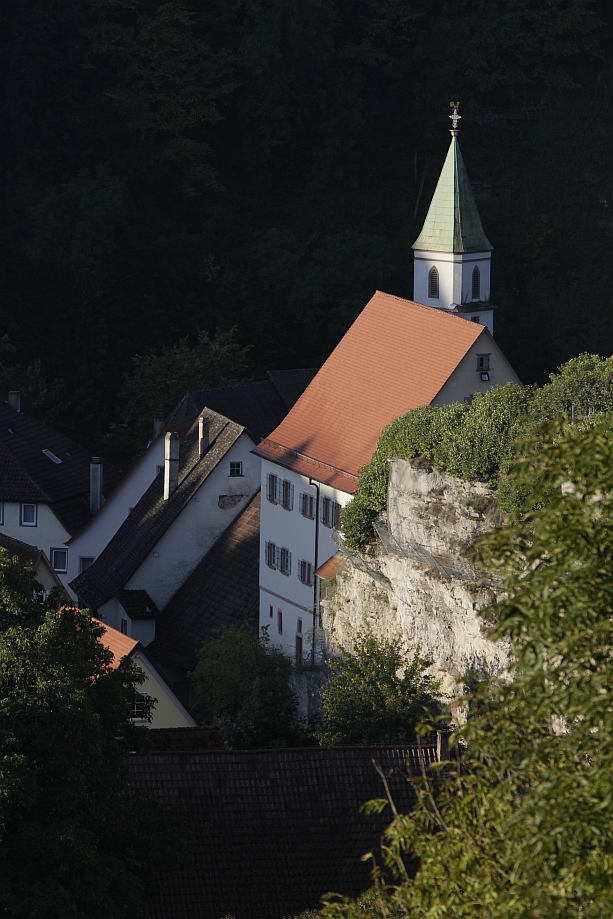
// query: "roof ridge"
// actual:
[[435, 309]]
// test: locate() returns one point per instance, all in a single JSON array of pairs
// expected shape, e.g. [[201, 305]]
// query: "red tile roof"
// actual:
[[397, 355], [119, 644], [329, 569]]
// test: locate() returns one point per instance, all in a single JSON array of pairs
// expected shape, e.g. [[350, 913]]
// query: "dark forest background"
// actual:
[[171, 172]]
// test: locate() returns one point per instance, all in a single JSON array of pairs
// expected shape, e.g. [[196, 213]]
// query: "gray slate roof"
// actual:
[[260, 407], [152, 516], [223, 590], [273, 829], [28, 474]]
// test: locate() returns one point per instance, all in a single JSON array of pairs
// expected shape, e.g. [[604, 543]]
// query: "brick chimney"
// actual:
[[171, 464], [95, 484]]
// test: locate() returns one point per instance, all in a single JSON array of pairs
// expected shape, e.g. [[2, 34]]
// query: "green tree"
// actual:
[[377, 694], [520, 826], [244, 682], [73, 842], [158, 381]]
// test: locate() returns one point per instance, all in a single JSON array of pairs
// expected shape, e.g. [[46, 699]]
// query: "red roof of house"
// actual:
[[396, 356], [119, 644]]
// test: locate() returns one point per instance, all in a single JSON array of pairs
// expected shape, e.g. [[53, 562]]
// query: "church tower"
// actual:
[[452, 254]]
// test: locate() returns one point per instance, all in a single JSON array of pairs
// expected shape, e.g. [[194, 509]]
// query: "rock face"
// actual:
[[416, 584]]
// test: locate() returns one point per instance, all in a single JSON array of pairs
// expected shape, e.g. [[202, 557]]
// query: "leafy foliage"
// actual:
[[376, 694], [179, 166], [520, 824], [478, 441], [245, 683], [73, 843], [158, 381]]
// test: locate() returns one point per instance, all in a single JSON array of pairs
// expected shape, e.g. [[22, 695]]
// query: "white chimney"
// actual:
[[171, 464], [14, 400], [204, 425], [158, 423], [95, 484]]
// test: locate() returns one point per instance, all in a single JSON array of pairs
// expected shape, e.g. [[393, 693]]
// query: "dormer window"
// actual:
[[433, 284], [476, 283]]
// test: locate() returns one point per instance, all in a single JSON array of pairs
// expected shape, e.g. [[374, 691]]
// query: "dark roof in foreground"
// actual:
[[29, 474], [223, 590], [175, 740], [259, 407], [152, 516], [274, 829]]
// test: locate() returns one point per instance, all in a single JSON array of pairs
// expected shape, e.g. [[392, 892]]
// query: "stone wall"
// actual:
[[416, 583]]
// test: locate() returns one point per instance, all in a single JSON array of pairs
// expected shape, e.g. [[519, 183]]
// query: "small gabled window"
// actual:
[[483, 362], [29, 515], [433, 283], [236, 469], [476, 283], [59, 560]]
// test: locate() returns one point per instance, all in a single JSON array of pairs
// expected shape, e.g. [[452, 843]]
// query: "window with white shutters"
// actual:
[[272, 487], [307, 506], [305, 572], [330, 513], [285, 562], [286, 495], [270, 550]]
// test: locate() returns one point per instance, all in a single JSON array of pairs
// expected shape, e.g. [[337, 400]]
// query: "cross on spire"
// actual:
[[454, 118]]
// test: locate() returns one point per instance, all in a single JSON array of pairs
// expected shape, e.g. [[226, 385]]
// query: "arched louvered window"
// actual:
[[476, 283], [433, 284]]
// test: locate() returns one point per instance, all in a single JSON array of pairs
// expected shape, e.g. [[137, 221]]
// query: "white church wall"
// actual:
[[482, 261], [466, 378]]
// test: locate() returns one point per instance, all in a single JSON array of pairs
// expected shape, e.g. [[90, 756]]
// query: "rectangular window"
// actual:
[[85, 562], [28, 515], [140, 706], [299, 627], [474, 319], [330, 513], [483, 362], [1, 512], [271, 611], [285, 562], [59, 560], [271, 487], [270, 550], [236, 469], [305, 572], [280, 621], [124, 626], [307, 506], [298, 650], [286, 495]]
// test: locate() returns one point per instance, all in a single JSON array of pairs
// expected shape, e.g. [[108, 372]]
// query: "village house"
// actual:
[[207, 481], [398, 355], [49, 486], [26, 554], [259, 407], [168, 710]]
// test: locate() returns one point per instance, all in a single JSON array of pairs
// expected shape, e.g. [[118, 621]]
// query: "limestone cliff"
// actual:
[[416, 583]]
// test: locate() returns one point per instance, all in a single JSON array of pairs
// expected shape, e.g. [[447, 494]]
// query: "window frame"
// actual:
[[330, 513], [234, 465], [270, 554], [272, 486], [434, 284], [285, 561], [476, 283], [286, 494], [134, 717], [280, 620], [483, 362], [83, 558], [305, 572], [307, 505], [53, 565], [24, 523]]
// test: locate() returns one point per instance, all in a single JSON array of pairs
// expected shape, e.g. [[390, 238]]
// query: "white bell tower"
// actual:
[[452, 254]]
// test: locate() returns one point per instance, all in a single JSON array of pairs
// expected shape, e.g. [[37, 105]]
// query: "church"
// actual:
[[398, 355]]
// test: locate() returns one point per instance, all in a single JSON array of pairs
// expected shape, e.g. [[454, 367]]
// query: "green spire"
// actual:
[[453, 223]]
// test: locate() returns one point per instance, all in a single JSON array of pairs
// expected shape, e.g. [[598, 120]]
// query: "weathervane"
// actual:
[[454, 118]]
